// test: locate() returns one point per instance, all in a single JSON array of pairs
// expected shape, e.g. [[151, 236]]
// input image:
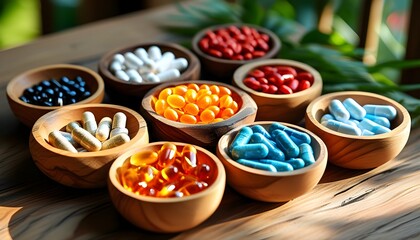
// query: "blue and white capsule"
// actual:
[[338, 110], [342, 127], [386, 111], [372, 126], [356, 111], [383, 121]]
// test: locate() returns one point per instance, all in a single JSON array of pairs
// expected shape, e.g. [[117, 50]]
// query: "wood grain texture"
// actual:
[[381, 203]]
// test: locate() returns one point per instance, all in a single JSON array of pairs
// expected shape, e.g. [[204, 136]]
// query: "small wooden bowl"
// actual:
[[128, 92], [359, 152], [224, 68], [272, 186], [83, 169], [167, 215], [29, 113], [204, 135], [280, 107]]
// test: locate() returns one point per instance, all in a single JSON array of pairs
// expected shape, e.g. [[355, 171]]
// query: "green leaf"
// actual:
[[252, 12], [397, 64]]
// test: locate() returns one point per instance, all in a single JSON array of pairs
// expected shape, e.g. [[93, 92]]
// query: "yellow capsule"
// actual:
[[191, 108], [170, 173], [176, 101], [218, 120], [180, 90], [145, 157], [227, 113], [154, 99], [160, 106], [214, 99], [207, 116], [234, 106], [188, 118], [166, 155], [170, 114], [190, 96], [203, 102], [165, 93], [189, 155], [225, 101], [215, 89], [214, 109], [224, 91], [203, 92], [205, 86], [193, 86]]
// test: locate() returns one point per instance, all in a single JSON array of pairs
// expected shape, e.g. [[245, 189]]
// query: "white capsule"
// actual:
[[56, 139], [141, 53], [164, 63], [154, 53], [89, 122], [120, 74], [151, 77], [134, 76], [179, 63], [67, 135], [169, 74], [338, 110], [104, 128], [342, 127], [119, 120], [132, 61], [115, 66], [72, 125], [119, 58], [115, 141], [86, 140], [117, 131]]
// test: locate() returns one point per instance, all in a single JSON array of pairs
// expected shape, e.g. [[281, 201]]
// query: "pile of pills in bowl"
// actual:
[[280, 149], [278, 79], [235, 43], [57, 92], [195, 103], [91, 136], [147, 65], [350, 117], [167, 172]]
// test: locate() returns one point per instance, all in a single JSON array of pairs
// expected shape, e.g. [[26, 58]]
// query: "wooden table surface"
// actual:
[[382, 203]]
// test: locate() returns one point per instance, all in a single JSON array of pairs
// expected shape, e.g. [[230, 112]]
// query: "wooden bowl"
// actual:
[[29, 113], [204, 135], [280, 107], [83, 169], [167, 214], [359, 152], [224, 68], [272, 186], [125, 92]]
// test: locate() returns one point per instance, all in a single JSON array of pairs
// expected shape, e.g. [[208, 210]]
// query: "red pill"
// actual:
[[268, 70], [234, 30], [238, 57], [305, 76], [293, 84], [247, 48], [257, 54], [215, 53], [256, 73], [272, 89], [264, 88], [263, 44], [264, 37], [285, 89], [304, 84], [286, 70], [262, 80], [204, 44], [287, 77], [227, 53], [211, 35], [246, 30], [252, 83]]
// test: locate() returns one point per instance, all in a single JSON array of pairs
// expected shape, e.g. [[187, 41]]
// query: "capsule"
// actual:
[[250, 151], [116, 131], [372, 126], [115, 141], [143, 158], [89, 122], [386, 111], [179, 63], [241, 138], [132, 61], [273, 152], [189, 156], [342, 127], [154, 53], [367, 133], [167, 75], [119, 120], [122, 75], [338, 110], [306, 154], [261, 129], [298, 137], [327, 117], [72, 125], [165, 61], [383, 121], [167, 155], [285, 144], [134, 76], [104, 128], [115, 66], [67, 135], [297, 163], [118, 58], [86, 140], [280, 166], [257, 165], [56, 139], [356, 111]]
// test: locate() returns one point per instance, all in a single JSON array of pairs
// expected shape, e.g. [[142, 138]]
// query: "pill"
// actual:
[[241, 138], [104, 128], [154, 53], [86, 139], [367, 133], [356, 111], [179, 63], [89, 122], [297, 163], [141, 53], [169, 74], [338, 110], [298, 137], [342, 127], [119, 120], [132, 61], [115, 141], [118, 58], [72, 125], [117, 131], [122, 75], [386, 111], [279, 165], [189, 153], [167, 154], [151, 77], [379, 120], [143, 158], [372, 126], [134, 76], [306, 154], [285, 143], [257, 165], [116, 66], [262, 130], [56, 139], [250, 151], [165, 61], [67, 135], [273, 152], [327, 117]]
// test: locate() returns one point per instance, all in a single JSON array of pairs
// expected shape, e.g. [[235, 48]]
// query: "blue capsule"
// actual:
[[297, 163], [342, 127], [257, 165], [372, 126], [307, 154], [250, 151], [367, 133], [261, 129], [381, 110], [241, 138], [280, 166], [356, 111], [338, 110], [273, 152], [297, 137], [285, 144], [327, 117], [379, 120]]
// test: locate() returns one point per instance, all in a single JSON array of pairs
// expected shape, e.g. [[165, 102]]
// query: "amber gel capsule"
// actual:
[[167, 155]]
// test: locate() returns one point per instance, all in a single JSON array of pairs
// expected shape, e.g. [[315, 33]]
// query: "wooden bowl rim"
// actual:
[[276, 45], [193, 61], [146, 105], [220, 179], [15, 80], [323, 152], [40, 140], [406, 120], [241, 72]]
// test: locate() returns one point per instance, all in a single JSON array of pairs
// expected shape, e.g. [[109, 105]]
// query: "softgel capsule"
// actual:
[[150, 65]]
